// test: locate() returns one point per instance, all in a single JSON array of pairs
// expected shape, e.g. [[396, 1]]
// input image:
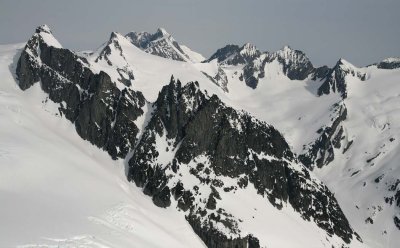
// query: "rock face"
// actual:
[[235, 55], [295, 63], [321, 151], [162, 44], [99, 110], [124, 70], [389, 63], [174, 148], [219, 79], [336, 79]]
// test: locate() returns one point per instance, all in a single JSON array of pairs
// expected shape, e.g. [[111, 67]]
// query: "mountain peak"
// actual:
[[162, 32], [43, 28], [249, 49], [344, 64], [296, 64], [248, 46], [286, 48], [162, 44], [114, 35], [44, 35]]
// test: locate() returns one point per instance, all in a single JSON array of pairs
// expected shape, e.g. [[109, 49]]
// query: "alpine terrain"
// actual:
[[143, 142]]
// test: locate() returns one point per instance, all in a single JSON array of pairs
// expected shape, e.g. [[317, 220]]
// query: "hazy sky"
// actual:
[[361, 31]]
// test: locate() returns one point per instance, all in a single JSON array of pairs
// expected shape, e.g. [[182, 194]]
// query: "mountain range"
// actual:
[[143, 142]]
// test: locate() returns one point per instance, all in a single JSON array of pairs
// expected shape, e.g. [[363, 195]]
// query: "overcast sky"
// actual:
[[361, 31]]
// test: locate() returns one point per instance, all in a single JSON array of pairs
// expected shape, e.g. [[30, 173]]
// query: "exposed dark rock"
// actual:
[[235, 55], [212, 199], [91, 101], [296, 65], [255, 70], [215, 239], [239, 147], [397, 222], [320, 72], [219, 79], [321, 151], [378, 179], [163, 198], [389, 64], [369, 220], [160, 43], [374, 157], [397, 198], [336, 79]]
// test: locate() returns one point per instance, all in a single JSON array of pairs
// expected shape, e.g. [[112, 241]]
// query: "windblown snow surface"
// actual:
[[57, 190]]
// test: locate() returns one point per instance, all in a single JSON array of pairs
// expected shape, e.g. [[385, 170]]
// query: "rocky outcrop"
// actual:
[[295, 64], [162, 44], [174, 147], [389, 64], [99, 110], [126, 75], [215, 239], [321, 151], [235, 55], [336, 80], [219, 79]]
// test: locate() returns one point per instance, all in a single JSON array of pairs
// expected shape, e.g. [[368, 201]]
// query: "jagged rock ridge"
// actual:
[[241, 148], [91, 101]]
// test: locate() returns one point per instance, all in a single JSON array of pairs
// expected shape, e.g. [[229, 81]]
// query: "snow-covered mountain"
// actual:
[[162, 44], [246, 149]]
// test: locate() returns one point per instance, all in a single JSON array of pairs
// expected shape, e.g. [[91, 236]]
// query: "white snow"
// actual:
[[57, 190], [373, 119], [193, 56]]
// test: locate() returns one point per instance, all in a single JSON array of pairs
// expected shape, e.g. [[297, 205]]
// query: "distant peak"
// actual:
[[115, 35], [43, 28], [248, 47], [345, 63], [46, 36], [391, 60], [162, 32], [287, 48]]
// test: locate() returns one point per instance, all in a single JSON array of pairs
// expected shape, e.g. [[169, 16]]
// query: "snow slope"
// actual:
[[362, 177], [57, 190]]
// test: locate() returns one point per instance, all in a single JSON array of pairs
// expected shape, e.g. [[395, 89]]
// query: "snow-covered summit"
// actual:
[[235, 55], [162, 44], [43, 28], [162, 32], [43, 34]]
